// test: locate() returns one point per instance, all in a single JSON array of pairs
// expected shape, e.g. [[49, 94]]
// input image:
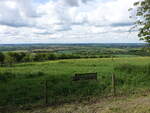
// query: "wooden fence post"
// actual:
[[113, 84], [13, 95], [46, 93]]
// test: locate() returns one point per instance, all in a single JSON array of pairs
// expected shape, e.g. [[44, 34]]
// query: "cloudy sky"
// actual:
[[66, 21]]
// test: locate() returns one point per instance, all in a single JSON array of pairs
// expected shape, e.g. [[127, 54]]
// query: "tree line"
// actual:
[[10, 58]]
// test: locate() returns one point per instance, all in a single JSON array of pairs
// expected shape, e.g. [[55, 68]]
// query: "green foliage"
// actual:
[[52, 57], [24, 83], [9, 61], [143, 19], [2, 58], [6, 76], [130, 68], [27, 58], [11, 58], [40, 57], [17, 56], [134, 75]]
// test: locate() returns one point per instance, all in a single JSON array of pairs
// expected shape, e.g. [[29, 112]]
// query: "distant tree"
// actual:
[[9, 60], [52, 56], [17, 56], [28, 57], [40, 57], [21, 56], [143, 19], [2, 58], [64, 56]]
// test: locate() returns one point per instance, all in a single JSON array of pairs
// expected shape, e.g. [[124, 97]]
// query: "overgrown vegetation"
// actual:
[[10, 58], [142, 19], [24, 83], [38, 53]]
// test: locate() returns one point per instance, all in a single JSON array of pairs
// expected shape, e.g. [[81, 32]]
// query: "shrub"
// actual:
[[6, 76], [52, 56], [17, 56], [2, 58], [130, 68], [28, 58], [40, 57], [126, 68], [9, 60], [148, 69], [34, 75]]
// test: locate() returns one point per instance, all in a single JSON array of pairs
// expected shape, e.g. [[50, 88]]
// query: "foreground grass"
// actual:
[[23, 84], [138, 103]]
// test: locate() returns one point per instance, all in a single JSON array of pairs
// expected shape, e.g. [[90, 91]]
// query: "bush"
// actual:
[[34, 75], [130, 68], [6, 76], [28, 58], [148, 69], [9, 60], [52, 56], [2, 58], [126, 68], [17, 56], [40, 57]]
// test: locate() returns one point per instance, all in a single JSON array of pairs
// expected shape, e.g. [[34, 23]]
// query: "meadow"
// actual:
[[24, 83]]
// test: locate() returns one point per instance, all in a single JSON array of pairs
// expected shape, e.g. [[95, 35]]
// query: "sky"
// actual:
[[66, 21]]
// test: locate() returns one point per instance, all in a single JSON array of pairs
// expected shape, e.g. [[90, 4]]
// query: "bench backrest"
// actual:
[[85, 76]]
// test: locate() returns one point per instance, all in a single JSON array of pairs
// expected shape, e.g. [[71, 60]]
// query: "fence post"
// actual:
[[46, 93], [113, 84], [24, 95], [13, 94]]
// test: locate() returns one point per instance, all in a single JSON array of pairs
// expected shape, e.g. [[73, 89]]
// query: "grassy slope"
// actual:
[[65, 67], [60, 72]]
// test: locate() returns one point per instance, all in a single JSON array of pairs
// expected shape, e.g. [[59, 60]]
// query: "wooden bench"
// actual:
[[85, 76]]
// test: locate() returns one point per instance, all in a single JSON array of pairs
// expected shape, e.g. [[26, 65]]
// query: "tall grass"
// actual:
[[24, 83]]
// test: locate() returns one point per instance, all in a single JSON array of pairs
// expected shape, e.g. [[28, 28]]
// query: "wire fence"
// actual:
[[49, 91]]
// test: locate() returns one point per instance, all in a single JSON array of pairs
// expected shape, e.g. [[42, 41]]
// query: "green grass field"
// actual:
[[24, 83]]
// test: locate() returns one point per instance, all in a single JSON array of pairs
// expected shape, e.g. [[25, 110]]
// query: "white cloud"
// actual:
[[69, 20]]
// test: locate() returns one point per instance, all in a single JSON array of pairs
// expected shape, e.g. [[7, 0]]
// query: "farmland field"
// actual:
[[42, 74], [23, 83], [74, 56]]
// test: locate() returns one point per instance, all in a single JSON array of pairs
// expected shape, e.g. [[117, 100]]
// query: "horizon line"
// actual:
[[71, 43]]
